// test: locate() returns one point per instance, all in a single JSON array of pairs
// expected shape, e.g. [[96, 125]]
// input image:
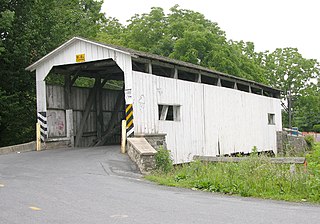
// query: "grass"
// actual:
[[254, 177]]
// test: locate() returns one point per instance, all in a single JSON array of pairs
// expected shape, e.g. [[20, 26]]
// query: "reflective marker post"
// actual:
[[38, 137]]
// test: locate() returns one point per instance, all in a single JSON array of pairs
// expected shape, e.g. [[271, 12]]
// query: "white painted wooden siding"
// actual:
[[68, 54], [209, 114]]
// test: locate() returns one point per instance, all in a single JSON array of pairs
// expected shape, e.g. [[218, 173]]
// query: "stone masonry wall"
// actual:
[[144, 161], [290, 145], [155, 140]]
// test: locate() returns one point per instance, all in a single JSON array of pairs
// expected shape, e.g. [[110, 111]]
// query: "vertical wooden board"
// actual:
[[55, 97], [147, 95], [248, 114], [190, 141], [56, 123], [211, 124]]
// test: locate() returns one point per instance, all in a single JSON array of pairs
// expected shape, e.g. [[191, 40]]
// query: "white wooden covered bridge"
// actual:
[[202, 112]]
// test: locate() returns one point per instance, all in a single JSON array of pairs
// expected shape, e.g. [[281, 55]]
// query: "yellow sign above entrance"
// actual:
[[80, 58]]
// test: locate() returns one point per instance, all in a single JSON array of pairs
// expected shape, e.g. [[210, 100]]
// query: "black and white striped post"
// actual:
[[42, 120]]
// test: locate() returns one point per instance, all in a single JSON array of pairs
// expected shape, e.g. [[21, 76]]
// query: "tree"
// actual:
[[111, 31], [29, 30], [6, 19], [188, 36], [290, 72], [307, 109]]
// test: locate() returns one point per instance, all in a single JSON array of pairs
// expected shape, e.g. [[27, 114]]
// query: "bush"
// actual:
[[163, 160], [316, 128], [313, 159], [255, 176], [310, 140]]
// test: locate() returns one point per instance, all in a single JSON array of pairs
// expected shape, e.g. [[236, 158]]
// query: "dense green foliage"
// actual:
[[29, 29], [188, 36], [309, 140], [163, 160], [256, 177]]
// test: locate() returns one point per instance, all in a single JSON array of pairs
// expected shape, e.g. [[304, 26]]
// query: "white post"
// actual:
[[69, 122], [123, 136]]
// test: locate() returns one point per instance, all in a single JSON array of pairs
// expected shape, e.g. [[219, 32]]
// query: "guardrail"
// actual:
[[278, 160]]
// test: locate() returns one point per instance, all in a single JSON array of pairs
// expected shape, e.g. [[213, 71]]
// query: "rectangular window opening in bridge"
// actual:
[[271, 120], [169, 112]]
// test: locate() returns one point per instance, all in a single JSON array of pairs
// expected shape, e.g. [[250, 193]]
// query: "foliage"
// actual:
[[309, 140], [188, 36], [289, 71], [316, 128], [255, 177], [313, 159], [29, 29], [163, 160], [307, 109]]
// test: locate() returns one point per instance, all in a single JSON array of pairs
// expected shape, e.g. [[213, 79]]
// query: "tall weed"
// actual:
[[256, 176]]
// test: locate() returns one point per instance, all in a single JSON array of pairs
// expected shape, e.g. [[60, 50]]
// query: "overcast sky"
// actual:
[[269, 23]]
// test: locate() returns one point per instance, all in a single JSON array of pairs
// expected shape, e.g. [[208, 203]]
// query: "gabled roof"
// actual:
[[68, 43], [137, 54]]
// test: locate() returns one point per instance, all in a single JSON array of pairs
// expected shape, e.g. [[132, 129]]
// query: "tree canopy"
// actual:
[[29, 29]]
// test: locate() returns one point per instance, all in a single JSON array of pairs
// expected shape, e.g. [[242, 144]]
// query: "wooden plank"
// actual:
[[113, 120], [67, 91], [85, 115], [175, 73], [278, 160], [98, 104]]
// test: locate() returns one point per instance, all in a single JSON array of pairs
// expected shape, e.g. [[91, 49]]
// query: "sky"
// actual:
[[269, 24]]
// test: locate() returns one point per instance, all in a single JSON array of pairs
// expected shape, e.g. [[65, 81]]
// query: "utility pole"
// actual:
[[289, 109]]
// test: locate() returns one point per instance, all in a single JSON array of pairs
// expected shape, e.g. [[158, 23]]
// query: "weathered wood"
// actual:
[[113, 120], [98, 104], [278, 160], [85, 115], [149, 68], [235, 86], [69, 123], [67, 91], [107, 134], [74, 78], [175, 73], [219, 82], [199, 78]]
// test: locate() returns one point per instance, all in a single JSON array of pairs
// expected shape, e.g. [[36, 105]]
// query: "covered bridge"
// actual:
[[85, 88]]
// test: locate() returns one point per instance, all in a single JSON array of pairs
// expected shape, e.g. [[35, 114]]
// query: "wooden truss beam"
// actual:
[[113, 120]]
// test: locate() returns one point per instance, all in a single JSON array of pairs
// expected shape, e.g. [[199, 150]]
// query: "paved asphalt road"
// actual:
[[99, 185]]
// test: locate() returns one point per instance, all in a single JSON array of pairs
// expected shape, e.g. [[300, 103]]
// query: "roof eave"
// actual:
[[33, 66]]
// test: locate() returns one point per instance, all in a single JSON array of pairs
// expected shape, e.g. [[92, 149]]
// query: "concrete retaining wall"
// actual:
[[26, 147], [31, 146]]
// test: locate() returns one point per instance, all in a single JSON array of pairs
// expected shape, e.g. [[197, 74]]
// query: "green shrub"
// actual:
[[310, 140], [313, 160], [255, 176], [163, 160], [316, 128]]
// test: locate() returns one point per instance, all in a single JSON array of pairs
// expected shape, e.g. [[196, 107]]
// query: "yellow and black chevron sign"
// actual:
[[129, 119]]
